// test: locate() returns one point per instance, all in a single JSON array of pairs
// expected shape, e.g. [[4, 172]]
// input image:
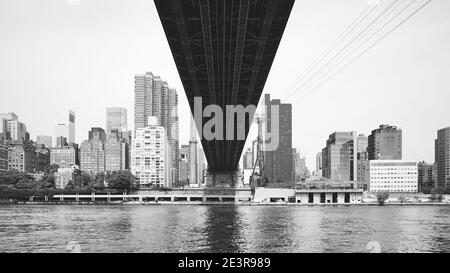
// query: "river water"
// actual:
[[194, 228]]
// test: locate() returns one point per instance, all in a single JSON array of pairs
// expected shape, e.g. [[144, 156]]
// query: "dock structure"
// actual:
[[174, 195], [236, 195]]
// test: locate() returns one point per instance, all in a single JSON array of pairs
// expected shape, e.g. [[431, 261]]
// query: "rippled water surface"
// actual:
[[130, 228]]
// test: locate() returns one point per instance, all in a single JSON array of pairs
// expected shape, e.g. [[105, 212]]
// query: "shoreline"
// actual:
[[200, 203]]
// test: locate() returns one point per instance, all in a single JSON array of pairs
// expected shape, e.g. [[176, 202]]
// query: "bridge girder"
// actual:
[[223, 50]]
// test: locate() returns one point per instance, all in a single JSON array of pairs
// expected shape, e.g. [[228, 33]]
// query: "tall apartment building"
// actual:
[[66, 128], [150, 156], [279, 166], [44, 140], [22, 157], [153, 97], [116, 152], [64, 157], [12, 129], [385, 143], [247, 159], [116, 119], [92, 152], [442, 157], [392, 176], [3, 156]]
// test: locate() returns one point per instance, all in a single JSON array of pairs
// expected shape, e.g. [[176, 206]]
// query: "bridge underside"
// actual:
[[223, 50]]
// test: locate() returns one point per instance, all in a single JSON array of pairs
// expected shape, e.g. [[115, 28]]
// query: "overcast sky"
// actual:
[[57, 55]]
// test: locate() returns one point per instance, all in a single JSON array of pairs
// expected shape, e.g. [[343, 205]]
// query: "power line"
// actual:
[[348, 44], [366, 50], [335, 64], [358, 20]]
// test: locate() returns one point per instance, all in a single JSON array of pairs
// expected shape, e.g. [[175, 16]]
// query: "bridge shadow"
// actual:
[[222, 229]]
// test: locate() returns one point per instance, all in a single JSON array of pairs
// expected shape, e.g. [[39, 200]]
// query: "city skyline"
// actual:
[[420, 114]]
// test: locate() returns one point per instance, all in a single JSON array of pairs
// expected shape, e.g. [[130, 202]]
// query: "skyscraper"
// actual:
[[116, 119], [153, 97], [66, 128], [442, 157], [385, 143], [278, 160], [92, 152]]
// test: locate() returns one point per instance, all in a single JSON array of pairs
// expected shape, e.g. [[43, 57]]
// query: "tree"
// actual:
[[12, 177], [122, 180], [47, 181], [81, 179], [382, 197], [98, 182], [51, 168]]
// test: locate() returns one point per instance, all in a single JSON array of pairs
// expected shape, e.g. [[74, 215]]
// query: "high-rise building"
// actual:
[[150, 156], [92, 152], [66, 128], [64, 157], [361, 158], [392, 176], [442, 157], [337, 156], [278, 165], [427, 176], [3, 156], [116, 152], [22, 157], [44, 140], [12, 129], [116, 119], [153, 97], [319, 164], [385, 143]]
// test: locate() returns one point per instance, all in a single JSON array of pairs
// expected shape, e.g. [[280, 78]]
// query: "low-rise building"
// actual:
[[392, 176], [427, 176], [64, 157], [62, 177]]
